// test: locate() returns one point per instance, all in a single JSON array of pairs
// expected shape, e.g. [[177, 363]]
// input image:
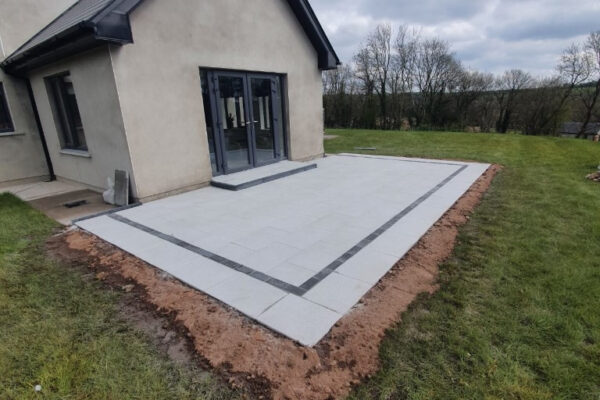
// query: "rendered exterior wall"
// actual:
[[98, 104], [21, 154], [158, 82], [21, 19]]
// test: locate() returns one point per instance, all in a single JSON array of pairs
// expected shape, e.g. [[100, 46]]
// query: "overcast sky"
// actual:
[[488, 35]]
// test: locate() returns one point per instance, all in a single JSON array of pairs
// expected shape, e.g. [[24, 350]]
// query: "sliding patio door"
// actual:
[[246, 111]]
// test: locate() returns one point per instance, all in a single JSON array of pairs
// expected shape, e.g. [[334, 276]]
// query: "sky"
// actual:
[[486, 35]]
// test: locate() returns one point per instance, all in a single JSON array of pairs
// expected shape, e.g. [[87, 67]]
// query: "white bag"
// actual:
[[109, 194]]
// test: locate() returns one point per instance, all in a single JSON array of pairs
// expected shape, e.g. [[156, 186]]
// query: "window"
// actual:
[[66, 112], [6, 124]]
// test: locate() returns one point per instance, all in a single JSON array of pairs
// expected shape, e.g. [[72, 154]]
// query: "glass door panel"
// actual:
[[262, 110], [231, 105]]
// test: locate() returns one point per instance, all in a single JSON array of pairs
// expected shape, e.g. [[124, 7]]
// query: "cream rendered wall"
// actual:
[[159, 85], [21, 154], [98, 103], [21, 19]]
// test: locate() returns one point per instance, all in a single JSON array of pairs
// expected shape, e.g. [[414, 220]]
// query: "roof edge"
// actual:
[[110, 24], [328, 58]]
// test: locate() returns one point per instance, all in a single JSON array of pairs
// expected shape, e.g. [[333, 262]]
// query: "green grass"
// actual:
[[64, 333], [518, 312]]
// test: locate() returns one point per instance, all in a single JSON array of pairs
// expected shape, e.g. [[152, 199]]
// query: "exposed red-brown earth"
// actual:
[[251, 356]]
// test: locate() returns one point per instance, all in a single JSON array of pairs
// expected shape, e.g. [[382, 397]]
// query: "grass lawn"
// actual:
[[64, 332], [518, 312]]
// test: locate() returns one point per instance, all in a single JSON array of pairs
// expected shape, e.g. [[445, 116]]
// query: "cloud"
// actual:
[[489, 35]]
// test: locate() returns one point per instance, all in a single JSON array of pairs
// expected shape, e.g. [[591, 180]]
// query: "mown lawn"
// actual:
[[64, 332], [518, 312]]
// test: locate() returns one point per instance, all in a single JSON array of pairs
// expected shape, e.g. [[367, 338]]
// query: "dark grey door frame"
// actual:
[[277, 116], [220, 123]]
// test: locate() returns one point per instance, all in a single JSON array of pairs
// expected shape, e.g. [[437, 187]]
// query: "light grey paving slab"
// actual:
[[299, 319], [368, 265], [338, 292], [260, 238], [271, 256], [168, 257], [202, 273], [123, 236], [246, 294], [316, 257], [393, 244]]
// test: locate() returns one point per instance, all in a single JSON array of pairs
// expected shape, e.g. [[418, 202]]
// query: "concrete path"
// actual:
[[297, 253]]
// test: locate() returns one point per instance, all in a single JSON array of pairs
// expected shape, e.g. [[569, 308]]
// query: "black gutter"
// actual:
[[38, 122]]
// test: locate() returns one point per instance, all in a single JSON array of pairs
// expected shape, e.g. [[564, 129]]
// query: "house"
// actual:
[[572, 129], [173, 92]]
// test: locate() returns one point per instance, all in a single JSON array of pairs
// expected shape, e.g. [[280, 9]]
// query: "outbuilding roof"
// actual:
[[92, 23]]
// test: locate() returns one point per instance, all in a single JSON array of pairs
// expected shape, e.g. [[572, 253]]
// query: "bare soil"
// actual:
[[193, 327]]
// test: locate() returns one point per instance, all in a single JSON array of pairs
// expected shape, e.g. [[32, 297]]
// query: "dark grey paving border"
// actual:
[[107, 212], [318, 277], [215, 257], [260, 181]]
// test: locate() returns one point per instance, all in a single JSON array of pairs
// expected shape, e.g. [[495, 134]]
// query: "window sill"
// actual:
[[76, 153], [8, 134]]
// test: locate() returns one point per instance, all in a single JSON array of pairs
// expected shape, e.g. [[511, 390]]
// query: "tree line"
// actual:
[[406, 81]]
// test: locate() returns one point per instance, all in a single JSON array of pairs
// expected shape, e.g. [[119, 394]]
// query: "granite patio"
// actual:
[[295, 253]]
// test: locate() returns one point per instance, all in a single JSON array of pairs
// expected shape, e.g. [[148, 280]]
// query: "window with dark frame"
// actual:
[[6, 124], [66, 111]]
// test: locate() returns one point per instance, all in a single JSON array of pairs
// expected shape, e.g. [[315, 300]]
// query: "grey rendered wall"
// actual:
[[21, 155], [98, 102], [159, 85]]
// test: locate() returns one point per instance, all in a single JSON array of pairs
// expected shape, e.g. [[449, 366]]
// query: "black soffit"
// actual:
[[93, 23]]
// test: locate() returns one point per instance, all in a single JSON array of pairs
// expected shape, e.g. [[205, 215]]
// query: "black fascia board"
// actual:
[[328, 59]]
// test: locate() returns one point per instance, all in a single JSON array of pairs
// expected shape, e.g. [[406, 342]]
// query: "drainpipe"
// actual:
[[38, 122]]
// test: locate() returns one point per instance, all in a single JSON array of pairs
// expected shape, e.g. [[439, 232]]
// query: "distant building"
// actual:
[[571, 129]]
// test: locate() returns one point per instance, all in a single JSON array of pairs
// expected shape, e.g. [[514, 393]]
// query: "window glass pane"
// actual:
[[5, 120], [66, 110], [75, 117], [235, 132], [261, 105]]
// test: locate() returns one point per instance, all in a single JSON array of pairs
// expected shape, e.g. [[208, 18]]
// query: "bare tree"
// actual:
[[574, 69], [471, 86], [508, 88], [364, 70], [589, 98], [401, 72], [540, 110], [436, 71], [339, 90], [379, 50], [366, 76]]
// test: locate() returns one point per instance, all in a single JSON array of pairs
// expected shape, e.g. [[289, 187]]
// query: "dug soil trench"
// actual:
[[251, 356]]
